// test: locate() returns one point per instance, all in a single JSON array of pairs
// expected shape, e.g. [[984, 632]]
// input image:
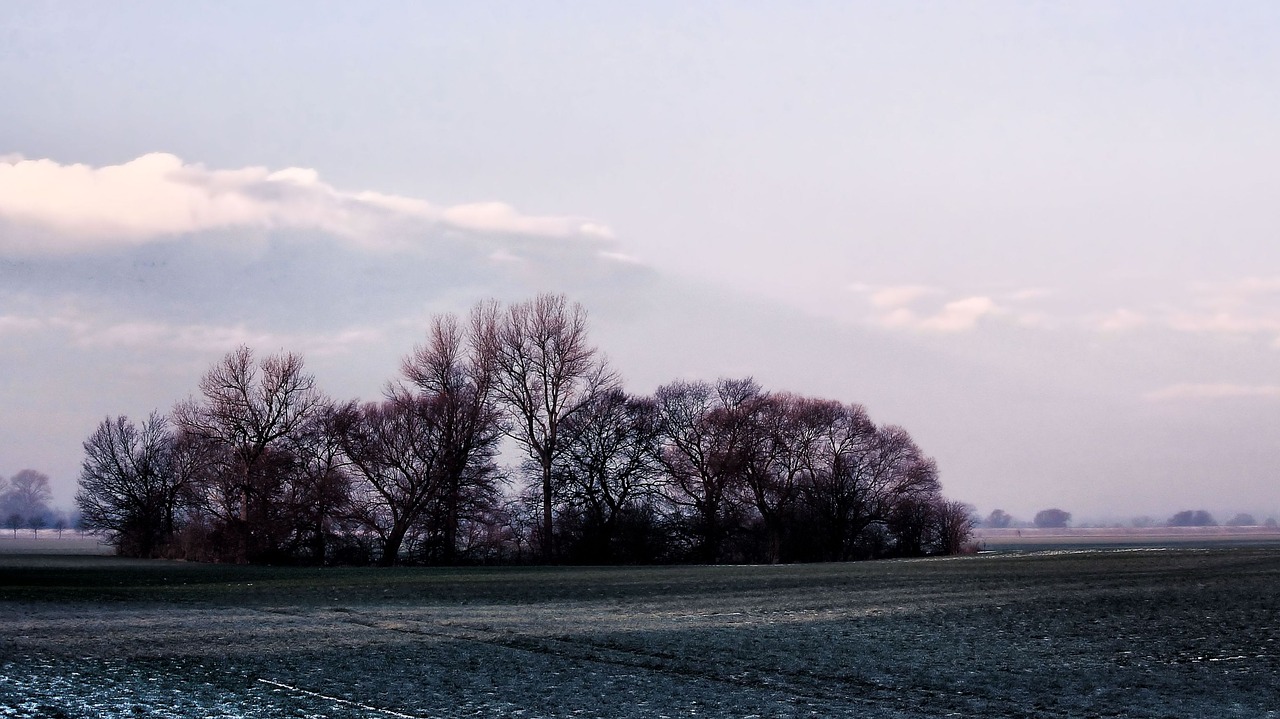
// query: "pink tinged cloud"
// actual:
[[958, 316], [158, 196]]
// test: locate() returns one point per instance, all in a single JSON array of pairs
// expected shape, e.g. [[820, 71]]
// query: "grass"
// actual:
[[1153, 633]]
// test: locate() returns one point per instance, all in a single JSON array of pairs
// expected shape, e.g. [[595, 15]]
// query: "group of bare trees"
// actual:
[[263, 467]]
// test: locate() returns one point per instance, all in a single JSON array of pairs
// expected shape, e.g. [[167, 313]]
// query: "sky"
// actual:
[[1043, 237]]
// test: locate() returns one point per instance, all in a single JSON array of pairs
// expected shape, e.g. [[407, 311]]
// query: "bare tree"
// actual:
[[785, 431], [836, 489], [391, 448], [860, 477], [424, 456], [454, 373], [247, 412], [706, 441], [545, 371], [955, 526], [28, 494], [609, 469], [132, 484]]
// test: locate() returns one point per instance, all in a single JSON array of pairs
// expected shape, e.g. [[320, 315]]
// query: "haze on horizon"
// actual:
[[1041, 237]]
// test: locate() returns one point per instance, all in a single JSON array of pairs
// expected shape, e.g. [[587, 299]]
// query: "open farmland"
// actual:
[[1150, 633]]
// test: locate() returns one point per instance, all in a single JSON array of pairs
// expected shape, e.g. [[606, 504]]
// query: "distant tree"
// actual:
[[14, 522], [998, 519], [1142, 522], [1242, 520], [37, 522], [1192, 518], [28, 494], [1270, 523], [1051, 519], [545, 371], [60, 523]]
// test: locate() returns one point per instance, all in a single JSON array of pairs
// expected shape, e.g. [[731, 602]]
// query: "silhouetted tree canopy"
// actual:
[[260, 466]]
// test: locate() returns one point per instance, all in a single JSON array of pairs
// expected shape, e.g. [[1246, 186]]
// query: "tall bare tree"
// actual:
[[545, 371], [425, 455], [454, 372], [247, 412]]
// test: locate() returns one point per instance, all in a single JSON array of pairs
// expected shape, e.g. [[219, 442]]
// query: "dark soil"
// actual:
[[1172, 633]]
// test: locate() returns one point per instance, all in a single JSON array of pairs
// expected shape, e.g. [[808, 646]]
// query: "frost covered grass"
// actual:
[[1088, 633]]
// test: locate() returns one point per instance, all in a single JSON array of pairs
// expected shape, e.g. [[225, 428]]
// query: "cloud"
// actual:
[[15, 324], [1120, 320], [88, 331], [217, 338], [958, 316], [897, 296], [1214, 391], [1246, 306], [1224, 323], [51, 208]]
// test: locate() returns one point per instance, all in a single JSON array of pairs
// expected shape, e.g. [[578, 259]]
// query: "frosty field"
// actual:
[[1137, 633]]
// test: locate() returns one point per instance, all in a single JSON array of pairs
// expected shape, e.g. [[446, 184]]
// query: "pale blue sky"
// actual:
[[1042, 237]]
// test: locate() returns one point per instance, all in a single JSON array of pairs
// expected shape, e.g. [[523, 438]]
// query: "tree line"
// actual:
[[261, 466]]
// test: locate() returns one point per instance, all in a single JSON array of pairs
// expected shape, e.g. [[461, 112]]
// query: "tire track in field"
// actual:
[[813, 687]]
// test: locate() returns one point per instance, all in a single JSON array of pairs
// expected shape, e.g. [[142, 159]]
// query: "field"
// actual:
[[1184, 632]]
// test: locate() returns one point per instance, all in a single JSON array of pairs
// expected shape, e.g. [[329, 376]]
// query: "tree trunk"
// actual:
[[547, 549]]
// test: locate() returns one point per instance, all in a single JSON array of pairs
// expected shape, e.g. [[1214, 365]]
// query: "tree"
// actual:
[[786, 430], [455, 376], [133, 485], [424, 456], [28, 495], [1051, 519], [247, 414], [545, 371], [705, 441], [955, 526], [998, 519], [13, 521], [37, 522], [607, 477], [1190, 518], [1242, 519], [837, 492]]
